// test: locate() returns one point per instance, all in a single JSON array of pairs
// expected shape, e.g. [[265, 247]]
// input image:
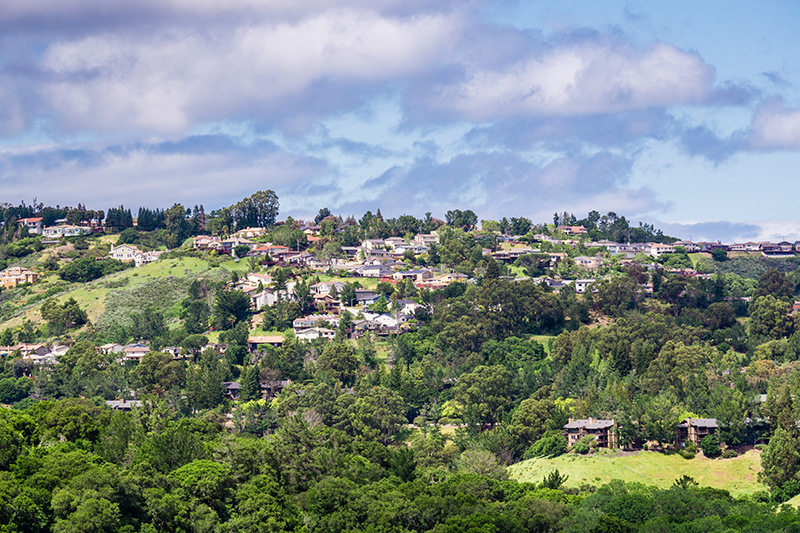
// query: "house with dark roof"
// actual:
[[603, 431], [694, 430]]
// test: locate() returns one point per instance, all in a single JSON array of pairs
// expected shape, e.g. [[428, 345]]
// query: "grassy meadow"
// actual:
[[737, 475]]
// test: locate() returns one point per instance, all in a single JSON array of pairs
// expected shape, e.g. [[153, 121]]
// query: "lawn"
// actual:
[[544, 340], [736, 475]]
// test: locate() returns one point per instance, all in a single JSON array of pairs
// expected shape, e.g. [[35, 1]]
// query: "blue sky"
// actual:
[[684, 114]]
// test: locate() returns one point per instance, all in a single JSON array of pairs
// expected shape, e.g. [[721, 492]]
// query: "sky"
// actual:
[[681, 114]]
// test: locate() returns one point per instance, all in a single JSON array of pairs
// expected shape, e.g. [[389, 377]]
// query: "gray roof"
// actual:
[[704, 422], [586, 424]]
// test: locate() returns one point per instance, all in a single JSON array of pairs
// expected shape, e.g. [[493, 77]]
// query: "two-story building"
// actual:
[[603, 431], [11, 277]]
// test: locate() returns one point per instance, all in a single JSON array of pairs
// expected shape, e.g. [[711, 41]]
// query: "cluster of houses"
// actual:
[[60, 230], [605, 432]]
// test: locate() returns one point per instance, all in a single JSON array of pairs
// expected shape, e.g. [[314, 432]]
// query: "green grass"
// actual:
[[736, 475], [695, 257], [544, 340], [92, 296]]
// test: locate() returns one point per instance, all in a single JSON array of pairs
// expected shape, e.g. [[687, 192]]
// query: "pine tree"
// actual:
[[250, 387]]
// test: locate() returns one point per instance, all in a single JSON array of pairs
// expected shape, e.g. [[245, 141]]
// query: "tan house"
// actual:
[[250, 233], [11, 277], [275, 341], [572, 230], [603, 431]]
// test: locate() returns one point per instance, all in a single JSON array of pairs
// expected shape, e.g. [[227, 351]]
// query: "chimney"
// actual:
[[571, 420], [591, 420]]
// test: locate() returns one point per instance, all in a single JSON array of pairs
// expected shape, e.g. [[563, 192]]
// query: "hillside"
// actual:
[[736, 475]]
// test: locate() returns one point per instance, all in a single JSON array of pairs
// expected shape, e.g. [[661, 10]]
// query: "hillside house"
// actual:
[[694, 429], [253, 343], [34, 225], [573, 230], [205, 242], [603, 431], [11, 277], [425, 239], [65, 230], [589, 263]]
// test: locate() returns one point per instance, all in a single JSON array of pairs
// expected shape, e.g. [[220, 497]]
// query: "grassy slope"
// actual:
[[91, 296], [736, 475]]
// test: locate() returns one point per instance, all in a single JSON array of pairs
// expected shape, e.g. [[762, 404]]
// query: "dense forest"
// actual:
[[408, 432]]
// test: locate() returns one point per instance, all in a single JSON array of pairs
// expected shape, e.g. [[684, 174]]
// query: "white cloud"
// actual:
[[775, 127], [176, 79], [149, 175], [584, 78]]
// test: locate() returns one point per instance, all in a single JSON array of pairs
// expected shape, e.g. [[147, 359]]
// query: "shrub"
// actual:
[[585, 445], [551, 444], [729, 454], [710, 446], [686, 454]]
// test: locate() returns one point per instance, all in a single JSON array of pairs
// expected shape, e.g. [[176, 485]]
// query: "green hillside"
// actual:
[[736, 475], [92, 296]]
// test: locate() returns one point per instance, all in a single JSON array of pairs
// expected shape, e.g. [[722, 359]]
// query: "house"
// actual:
[[426, 239], [572, 230], [250, 233], [205, 242], [227, 246], [711, 246], [111, 348], [135, 352], [253, 343], [689, 245], [123, 404], [316, 333], [694, 429], [332, 305], [128, 252], [394, 242], [416, 249], [366, 297], [589, 263], [373, 244], [374, 271], [265, 298], [582, 284], [232, 389], [324, 287], [65, 230], [604, 431], [746, 247], [11, 277], [34, 225], [657, 249], [310, 321], [413, 274]]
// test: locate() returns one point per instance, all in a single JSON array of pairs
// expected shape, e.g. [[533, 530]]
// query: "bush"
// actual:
[[710, 446], [551, 444], [729, 454], [760, 447], [585, 445]]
